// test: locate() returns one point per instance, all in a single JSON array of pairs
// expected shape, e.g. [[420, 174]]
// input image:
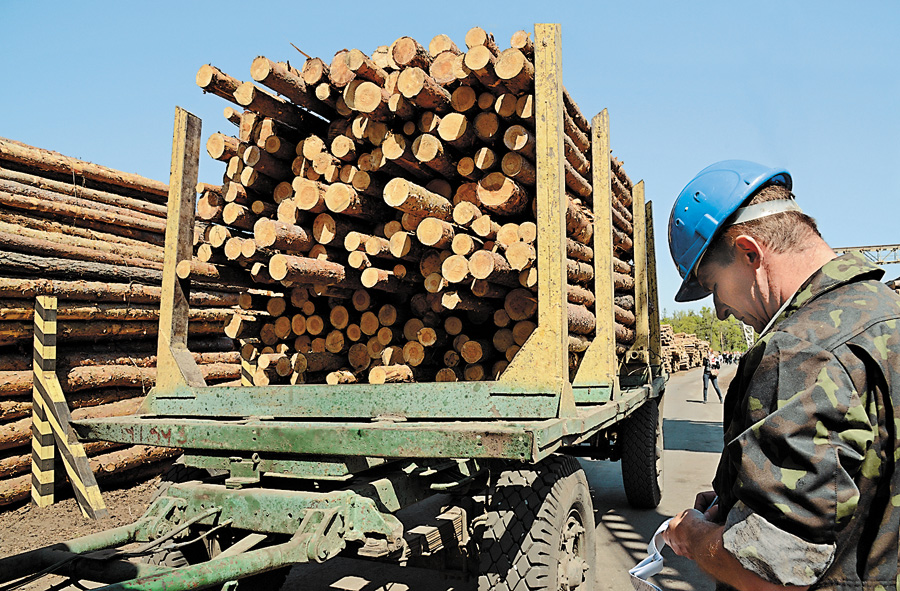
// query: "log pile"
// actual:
[[681, 351], [387, 202], [667, 348], [93, 237]]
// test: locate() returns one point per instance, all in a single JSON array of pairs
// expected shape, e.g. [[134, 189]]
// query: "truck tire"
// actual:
[[540, 531], [641, 444]]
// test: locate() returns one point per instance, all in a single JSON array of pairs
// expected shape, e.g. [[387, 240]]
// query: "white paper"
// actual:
[[651, 565]]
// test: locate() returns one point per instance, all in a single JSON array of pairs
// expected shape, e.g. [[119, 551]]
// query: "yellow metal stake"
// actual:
[[599, 365], [638, 353], [544, 360], [175, 364]]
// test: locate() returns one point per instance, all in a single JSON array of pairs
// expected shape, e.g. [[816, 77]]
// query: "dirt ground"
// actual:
[[27, 527]]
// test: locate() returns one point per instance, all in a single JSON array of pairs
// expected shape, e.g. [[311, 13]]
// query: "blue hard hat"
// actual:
[[703, 206]]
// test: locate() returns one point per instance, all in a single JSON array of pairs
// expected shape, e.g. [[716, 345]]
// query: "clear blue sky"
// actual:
[[811, 86]]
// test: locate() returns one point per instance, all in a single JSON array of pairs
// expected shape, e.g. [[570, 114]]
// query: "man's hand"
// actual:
[[690, 534], [706, 503], [696, 536]]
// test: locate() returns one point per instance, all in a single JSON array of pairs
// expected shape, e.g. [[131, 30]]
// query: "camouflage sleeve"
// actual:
[[808, 438], [772, 553]]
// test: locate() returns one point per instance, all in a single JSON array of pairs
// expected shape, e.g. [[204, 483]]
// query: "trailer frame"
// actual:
[[311, 468]]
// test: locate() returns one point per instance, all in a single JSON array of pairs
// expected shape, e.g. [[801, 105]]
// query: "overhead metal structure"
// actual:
[[880, 255]]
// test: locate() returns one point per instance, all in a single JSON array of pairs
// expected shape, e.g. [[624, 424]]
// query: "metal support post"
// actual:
[[597, 377], [51, 418], [175, 364], [544, 360]]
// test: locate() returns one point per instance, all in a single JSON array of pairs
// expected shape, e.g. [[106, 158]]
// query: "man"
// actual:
[[807, 485]]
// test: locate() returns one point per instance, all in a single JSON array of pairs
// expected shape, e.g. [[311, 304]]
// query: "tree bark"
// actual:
[[68, 188], [18, 433], [500, 194], [411, 198], [14, 332], [77, 270], [285, 80], [42, 247], [253, 98], [45, 160], [32, 199], [104, 292], [281, 236], [23, 310]]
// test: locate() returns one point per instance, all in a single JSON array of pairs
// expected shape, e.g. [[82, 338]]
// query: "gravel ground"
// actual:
[[27, 527]]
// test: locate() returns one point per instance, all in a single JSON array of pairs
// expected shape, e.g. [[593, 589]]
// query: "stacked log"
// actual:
[[681, 351], [388, 201], [667, 347], [93, 237]]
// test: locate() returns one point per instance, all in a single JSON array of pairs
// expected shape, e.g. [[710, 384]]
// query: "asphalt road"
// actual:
[[693, 440]]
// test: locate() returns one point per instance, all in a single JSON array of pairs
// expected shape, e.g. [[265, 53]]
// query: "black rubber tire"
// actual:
[[540, 531], [641, 444]]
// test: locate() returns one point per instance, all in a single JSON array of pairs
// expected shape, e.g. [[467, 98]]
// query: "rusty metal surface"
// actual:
[[441, 400]]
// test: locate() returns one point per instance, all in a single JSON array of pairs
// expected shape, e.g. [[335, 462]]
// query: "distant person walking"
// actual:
[[711, 374]]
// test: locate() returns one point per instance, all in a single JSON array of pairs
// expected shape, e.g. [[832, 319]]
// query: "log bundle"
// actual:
[[681, 351], [93, 237], [386, 201]]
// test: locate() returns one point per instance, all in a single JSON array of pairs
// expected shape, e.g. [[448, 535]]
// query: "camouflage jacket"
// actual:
[[807, 477]]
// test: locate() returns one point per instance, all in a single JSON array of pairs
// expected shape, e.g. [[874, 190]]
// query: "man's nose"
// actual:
[[722, 312]]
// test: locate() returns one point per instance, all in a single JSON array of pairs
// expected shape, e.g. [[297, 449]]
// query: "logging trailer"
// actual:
[[276, 476]]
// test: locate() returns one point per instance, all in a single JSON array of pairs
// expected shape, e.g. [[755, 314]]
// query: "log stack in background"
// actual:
[[681, 351], [387, 202], [667, 347], [93, 237]]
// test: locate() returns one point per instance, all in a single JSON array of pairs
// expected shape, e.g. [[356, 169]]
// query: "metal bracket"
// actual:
[[161, 516], [325, 529], [244, 472], [641, 356]]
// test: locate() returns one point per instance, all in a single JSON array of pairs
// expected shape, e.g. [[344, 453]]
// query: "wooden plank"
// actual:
[[175, 364], [543, 360], [598, 367]]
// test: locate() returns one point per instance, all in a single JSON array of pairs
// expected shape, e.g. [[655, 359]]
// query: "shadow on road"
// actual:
[[623, 534], [691, 435]]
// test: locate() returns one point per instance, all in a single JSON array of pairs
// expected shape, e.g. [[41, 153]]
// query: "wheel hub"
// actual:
[[572, 566]]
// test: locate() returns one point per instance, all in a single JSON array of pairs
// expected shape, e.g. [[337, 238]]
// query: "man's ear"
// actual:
[[747, 249]]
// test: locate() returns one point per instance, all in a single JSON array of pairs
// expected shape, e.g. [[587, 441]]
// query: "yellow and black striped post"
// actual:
[[42, 454], [247, 370], [51, 424]]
